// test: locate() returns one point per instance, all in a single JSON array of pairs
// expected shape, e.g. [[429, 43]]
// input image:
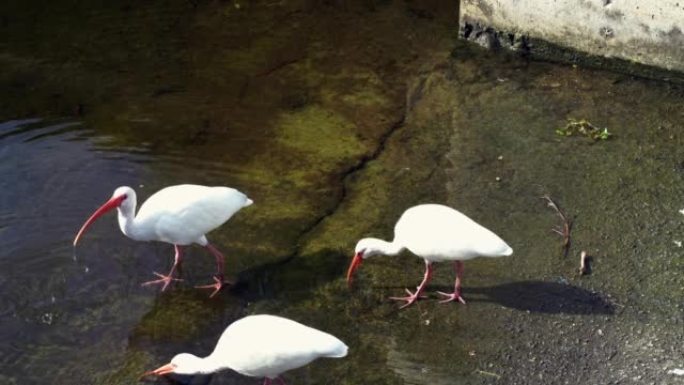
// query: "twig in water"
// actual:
[[567, 225]]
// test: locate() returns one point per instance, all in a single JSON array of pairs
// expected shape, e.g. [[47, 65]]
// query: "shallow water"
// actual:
[[333, 121]]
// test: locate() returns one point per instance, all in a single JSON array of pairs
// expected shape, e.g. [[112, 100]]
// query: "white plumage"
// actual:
[[270, 345], [260, 346], [183, 214], [180, 215], [435, 233], [439, 233]]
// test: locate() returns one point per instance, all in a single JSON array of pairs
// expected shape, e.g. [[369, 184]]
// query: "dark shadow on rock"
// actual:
[[543, 297], [185, 313], [532, 296], [291, 277]]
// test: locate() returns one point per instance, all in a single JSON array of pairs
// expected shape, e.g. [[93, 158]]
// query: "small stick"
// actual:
[[488, 373], [567, 224], [584, 263]]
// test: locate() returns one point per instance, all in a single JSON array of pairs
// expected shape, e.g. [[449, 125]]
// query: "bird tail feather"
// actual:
[[339, 351]]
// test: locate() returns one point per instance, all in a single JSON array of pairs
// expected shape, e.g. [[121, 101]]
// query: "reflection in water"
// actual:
[[15, 127], [54, 129], [48, 298], [73, 308]]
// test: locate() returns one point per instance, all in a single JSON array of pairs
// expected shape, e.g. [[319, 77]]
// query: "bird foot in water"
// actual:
[[455, 296], [411, 298], [218, 284], [165, 279]]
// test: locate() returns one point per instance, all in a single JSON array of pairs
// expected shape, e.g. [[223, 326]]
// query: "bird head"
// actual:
[[365, 248], [122, 199], [184, 363]]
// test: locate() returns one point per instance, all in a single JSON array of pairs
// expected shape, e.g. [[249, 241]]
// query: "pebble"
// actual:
[[46, 318]]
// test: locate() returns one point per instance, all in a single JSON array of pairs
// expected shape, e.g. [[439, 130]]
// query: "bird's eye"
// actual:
[[124, 197]]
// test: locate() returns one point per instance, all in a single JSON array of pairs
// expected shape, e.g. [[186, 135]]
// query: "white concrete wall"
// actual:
[[645, 31]]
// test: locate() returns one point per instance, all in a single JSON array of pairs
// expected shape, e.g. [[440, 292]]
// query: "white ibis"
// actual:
[[180, 215], [259, 346], [435, 233]]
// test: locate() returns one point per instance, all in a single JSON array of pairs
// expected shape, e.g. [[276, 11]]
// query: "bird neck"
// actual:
[[376, 246], [214, 363], [392, 248], [127, 223], [197, 365], [210, 365]]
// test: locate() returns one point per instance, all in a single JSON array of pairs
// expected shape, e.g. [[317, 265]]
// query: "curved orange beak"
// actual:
[[160, 371], [355, 263], [108, 206]]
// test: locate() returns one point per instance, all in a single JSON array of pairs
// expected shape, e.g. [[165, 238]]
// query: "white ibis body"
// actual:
[[180, 215], [435, 233], [259, 346]]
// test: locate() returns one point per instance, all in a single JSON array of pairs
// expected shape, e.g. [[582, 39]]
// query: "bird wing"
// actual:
[[184, 213], [270, 345], [444, 233]]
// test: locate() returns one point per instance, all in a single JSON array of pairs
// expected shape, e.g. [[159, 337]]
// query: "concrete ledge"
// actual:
[[648, 32]]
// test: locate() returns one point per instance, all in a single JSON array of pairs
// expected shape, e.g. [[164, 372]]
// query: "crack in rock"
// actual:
[[360, 165]]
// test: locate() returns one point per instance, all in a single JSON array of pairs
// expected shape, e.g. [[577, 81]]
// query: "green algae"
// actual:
[[323, 136], [584, 128], [190, 310]]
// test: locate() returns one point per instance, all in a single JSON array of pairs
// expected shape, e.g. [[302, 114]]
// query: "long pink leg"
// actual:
[[412, 297], [219, 281], [267, 381], [166, 279], [456, 295]]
